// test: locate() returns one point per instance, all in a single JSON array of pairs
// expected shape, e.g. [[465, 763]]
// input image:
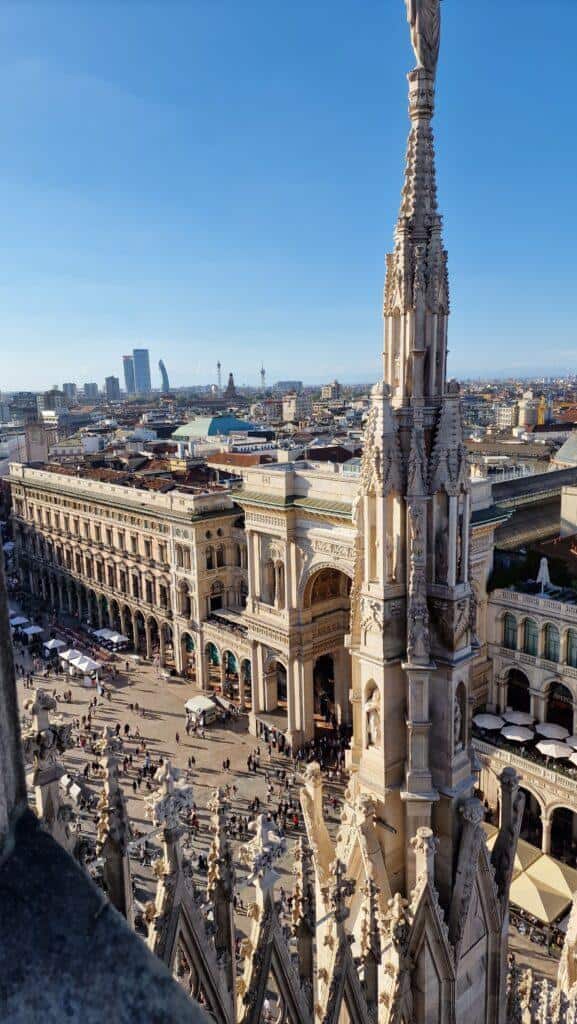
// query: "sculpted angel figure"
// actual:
[[424, 17]]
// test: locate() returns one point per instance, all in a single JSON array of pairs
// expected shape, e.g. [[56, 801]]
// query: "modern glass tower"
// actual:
[[141, 370], [128, 365]]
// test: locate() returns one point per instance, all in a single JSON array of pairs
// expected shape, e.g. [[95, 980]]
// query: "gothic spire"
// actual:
[[416, 302]]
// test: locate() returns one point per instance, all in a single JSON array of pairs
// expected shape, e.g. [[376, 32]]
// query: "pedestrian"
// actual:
[[177, 737]]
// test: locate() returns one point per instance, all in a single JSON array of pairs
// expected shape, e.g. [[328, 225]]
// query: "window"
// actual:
[[219, 556], [86, 525], [209, 559], [572, 648], [97, 534], [121, 540], [162, 552], [179, 558], [109, 538], [510, 632], [134, 543], [551, 643], [148, 548], [531, 638]]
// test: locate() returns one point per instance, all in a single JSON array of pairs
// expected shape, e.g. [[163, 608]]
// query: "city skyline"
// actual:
[[253, 236]]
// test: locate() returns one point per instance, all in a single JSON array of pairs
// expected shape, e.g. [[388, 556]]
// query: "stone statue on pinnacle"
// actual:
[[424, 17]]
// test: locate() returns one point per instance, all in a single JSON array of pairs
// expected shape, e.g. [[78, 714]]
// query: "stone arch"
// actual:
[[517, 690], [324, 686], [559, 703], [307, 582], [188, 654], [230, 674], [563, 835], [213, 664]]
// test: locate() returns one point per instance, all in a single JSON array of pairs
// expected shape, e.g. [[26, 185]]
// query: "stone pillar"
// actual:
[[148, 634], [418, 789], [240, 686], [135, 632], [307, 712], [258, 687], [179, 656], [546, 839], [162, 645]]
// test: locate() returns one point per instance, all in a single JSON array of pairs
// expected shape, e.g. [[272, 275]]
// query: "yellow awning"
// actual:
[[554, 874], [537, 899]]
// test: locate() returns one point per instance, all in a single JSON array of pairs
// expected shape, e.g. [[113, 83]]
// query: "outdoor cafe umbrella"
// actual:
[[573, 758], [19, 620], [551, 730], [572, 741], [518, 717], [551, 748], [517, 733], [488, 722]]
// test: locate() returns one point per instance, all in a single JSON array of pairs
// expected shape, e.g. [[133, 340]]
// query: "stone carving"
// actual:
[[457, 724], [424, 17], [372, 616], [373, 719]]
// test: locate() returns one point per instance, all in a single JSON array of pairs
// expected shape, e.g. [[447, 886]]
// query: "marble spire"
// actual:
[[416, 301]]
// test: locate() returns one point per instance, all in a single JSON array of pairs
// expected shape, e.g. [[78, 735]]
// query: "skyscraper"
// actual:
[[128, 365], [164, 375], [112, 388], [91, 390], [69, 390], [141, 371]]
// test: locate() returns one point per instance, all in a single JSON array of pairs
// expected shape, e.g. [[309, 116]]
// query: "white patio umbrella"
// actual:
[[551, 730], [517, 733], [518, 717], [19, 620], [551, 748], [106, 634], [573, 758], [572, 741], [33, 630], [491, 722]]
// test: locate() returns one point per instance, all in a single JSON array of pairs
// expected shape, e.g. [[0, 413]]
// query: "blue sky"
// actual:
[[217, 179]]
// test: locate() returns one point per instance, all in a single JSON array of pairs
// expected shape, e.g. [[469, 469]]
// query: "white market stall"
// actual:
[[201, 708]]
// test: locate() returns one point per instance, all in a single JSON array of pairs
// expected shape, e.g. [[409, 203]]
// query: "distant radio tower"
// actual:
[[262, 376], [219, 376]]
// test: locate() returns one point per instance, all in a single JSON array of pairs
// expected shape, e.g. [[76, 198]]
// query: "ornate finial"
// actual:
[[425, 847], [220, 863], [424, 17], [113, 823], [165, 808]]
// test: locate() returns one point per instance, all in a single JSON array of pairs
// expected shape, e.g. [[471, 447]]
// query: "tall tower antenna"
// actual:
[[219, 376], [262, 377]]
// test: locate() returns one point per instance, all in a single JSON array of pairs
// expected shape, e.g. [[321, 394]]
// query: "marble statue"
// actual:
[[424, 17]]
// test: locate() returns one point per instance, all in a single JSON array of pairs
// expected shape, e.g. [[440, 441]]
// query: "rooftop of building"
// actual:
[[211, 426]]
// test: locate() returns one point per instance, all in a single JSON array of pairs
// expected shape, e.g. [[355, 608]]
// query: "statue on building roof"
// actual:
[[424, 17]]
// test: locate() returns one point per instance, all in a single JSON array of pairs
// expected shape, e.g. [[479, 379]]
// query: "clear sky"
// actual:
[[221, 178]]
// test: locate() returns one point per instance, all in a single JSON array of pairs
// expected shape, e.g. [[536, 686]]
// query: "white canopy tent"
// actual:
[[19, 620], [33, 630], [54, 644]]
